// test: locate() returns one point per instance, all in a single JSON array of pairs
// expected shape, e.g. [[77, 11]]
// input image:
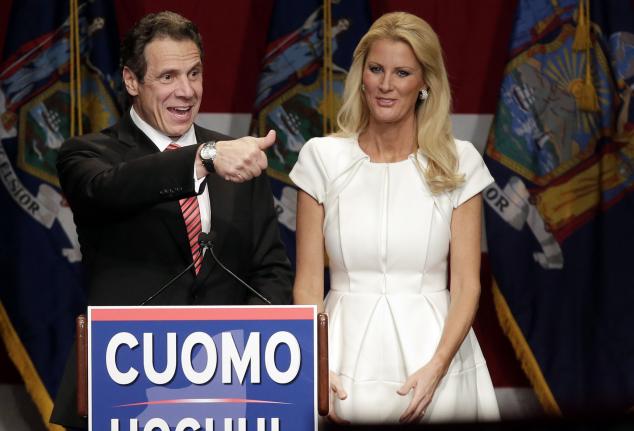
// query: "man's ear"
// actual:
[[131, 82]]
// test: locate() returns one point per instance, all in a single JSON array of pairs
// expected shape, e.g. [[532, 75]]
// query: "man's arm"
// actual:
[[97, 176], [97, 172]]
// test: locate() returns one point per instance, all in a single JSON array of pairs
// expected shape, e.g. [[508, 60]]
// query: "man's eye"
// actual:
[[166, 77]]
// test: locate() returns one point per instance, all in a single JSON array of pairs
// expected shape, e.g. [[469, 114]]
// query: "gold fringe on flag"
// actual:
[[328, 100], [22, 361], [524, 353]]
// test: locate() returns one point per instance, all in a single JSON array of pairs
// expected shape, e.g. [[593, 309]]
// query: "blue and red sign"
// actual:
[[202, 368]]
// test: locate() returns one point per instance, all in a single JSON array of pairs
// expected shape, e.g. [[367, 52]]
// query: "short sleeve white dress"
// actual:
[[387, 239]]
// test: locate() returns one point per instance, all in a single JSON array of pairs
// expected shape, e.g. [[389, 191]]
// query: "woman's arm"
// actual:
[[465, 292], [309, 275], [466, 233]]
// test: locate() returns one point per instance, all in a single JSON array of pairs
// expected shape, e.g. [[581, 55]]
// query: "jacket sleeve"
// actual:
[[100, 175]]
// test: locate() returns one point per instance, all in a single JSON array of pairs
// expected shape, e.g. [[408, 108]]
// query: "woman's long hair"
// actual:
[[434, 136]]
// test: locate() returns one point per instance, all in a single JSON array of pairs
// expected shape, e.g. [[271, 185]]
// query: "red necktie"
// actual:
[[193, 224]]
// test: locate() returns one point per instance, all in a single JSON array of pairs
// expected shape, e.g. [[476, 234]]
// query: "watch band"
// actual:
[[209, 165]]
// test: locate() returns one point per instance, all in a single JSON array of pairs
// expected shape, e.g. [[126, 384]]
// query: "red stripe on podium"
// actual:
[[201, 313]]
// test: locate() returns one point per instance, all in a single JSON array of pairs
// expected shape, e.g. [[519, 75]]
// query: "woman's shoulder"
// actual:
[[467, 153], [329, 147], [472, 166], [319, 161], [464, 147]]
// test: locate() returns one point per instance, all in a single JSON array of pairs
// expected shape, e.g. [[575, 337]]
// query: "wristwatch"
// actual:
[[208, 155]]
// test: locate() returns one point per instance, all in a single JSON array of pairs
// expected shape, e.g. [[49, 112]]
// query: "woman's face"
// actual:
[[392, 78]]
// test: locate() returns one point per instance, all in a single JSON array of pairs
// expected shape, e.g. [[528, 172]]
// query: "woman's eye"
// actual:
[[403, 73], [375, 69]]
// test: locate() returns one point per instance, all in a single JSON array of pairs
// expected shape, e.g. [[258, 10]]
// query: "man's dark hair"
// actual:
[[155, 26]]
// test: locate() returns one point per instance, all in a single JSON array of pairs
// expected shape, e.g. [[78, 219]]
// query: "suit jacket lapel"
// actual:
[[170, 211], [131, 135]]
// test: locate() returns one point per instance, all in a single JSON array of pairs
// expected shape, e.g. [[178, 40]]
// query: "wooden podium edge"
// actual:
[[81, 327], [323, 383]]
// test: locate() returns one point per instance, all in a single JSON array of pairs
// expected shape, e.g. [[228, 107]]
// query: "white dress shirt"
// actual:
[[189, 138]]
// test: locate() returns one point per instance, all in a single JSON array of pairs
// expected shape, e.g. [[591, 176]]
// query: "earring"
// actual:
[[362, 87], [424, 94]]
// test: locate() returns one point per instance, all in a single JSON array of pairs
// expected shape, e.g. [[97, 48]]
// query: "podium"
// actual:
[[207, 368]]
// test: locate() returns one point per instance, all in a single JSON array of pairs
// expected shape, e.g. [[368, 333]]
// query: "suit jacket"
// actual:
[[124, 195]]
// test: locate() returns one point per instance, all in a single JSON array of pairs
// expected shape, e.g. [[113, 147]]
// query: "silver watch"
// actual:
[[208, 155]]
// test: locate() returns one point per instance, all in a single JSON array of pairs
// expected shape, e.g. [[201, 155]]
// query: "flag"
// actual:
[[559, 217], [57, 78], [300, 86]]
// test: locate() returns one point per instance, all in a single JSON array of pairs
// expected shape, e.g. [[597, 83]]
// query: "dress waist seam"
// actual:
[[449, 374], [419, 293]]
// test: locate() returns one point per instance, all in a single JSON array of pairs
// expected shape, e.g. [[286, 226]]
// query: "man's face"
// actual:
[[169, 97]]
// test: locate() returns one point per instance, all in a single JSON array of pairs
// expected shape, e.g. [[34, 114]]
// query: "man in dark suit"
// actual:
[[143, 190]]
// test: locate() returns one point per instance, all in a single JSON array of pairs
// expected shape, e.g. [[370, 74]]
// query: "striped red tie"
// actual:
[[191, 215]]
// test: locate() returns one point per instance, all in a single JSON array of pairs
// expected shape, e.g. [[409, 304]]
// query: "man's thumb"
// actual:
[[266, 141]]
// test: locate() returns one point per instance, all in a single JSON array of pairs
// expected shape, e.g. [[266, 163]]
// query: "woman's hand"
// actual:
[[337, 391], [424, 383]]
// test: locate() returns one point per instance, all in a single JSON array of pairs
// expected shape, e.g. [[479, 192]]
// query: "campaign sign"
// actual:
[[202, 368]]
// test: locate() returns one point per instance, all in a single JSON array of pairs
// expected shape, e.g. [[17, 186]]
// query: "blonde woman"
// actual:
[[396, 201]]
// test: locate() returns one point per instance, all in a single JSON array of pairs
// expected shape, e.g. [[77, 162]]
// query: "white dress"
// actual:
[[387, 239]]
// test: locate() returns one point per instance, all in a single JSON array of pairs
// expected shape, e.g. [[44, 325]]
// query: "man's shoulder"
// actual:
[[106, 140], [204, 134]]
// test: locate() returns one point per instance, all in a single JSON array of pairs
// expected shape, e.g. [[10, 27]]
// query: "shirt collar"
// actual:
[[159, 139]]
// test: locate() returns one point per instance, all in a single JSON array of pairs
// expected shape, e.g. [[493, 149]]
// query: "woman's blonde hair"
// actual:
[[434, 136]]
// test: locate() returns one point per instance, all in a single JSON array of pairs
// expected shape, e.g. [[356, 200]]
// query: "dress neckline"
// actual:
[[409, 157]]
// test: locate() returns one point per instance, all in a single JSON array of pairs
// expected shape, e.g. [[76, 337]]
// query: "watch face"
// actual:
[[208, 151]]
